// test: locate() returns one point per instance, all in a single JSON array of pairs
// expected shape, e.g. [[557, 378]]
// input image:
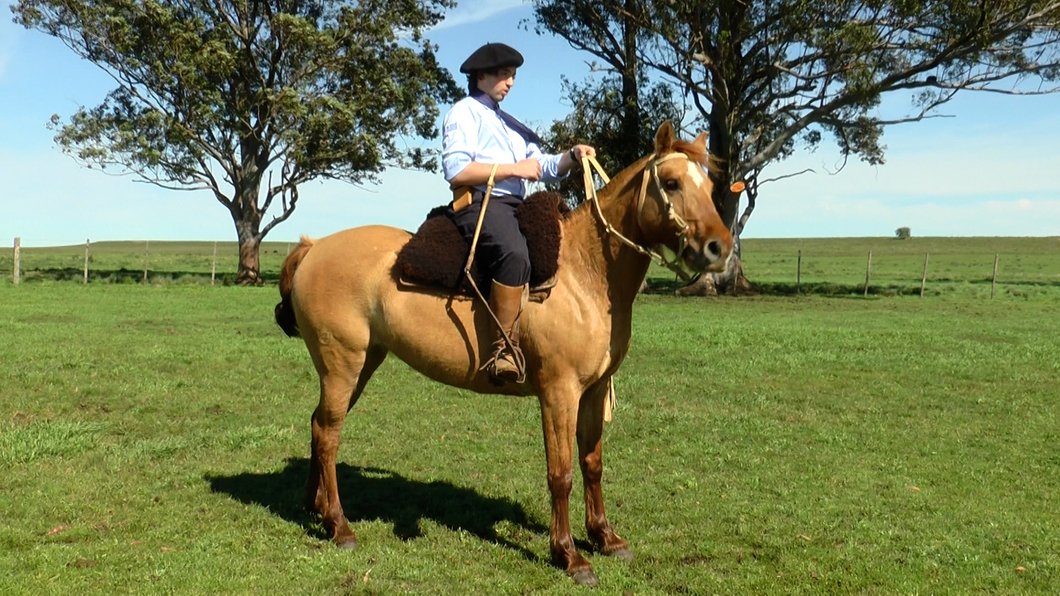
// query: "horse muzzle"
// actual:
[[709, 255]]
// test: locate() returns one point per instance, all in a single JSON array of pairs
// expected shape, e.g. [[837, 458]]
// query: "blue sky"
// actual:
[[991, 169]]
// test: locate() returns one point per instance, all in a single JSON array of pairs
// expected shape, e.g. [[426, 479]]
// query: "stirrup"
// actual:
[[516, 359]]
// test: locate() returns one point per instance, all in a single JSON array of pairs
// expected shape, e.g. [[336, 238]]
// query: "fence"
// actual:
[[144, 262], [913, 267], [846, 266]]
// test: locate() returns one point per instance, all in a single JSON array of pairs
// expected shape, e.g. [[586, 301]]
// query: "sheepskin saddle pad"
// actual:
[[437, 253]]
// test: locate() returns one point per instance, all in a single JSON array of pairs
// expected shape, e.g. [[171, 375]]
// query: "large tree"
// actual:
[[249, 99], [600, 117], [765, 75]]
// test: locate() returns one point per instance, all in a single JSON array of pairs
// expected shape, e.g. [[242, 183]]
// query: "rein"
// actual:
[[671, 213], [516, 354]]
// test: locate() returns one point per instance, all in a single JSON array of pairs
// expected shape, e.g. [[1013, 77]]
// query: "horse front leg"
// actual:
[[590, 452], [559, 412]]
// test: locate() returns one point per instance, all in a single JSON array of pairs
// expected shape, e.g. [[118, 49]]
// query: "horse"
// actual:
[[344, 296]]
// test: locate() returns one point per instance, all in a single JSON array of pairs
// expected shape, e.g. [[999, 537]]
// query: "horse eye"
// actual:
[[672, 184]]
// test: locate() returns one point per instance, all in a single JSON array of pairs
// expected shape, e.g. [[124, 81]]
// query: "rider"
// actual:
[[478, 135]]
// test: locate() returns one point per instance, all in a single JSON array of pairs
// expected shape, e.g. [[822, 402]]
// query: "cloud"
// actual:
[[467, 13]]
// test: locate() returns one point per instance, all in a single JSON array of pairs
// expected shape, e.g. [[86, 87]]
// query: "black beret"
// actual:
[[492, 56]]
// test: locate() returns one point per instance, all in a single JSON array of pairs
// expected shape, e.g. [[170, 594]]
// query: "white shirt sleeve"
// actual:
[[458, 141], [549, 163]]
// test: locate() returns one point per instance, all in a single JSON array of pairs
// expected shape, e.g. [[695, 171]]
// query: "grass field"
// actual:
[[154, 440]]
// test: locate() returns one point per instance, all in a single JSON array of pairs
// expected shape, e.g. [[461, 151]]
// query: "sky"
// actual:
[[992, 168]]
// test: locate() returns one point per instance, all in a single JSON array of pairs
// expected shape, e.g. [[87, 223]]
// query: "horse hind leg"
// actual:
[[590, 453], [342, 381]]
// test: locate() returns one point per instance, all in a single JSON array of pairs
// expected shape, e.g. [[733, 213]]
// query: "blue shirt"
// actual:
[[474, 132]]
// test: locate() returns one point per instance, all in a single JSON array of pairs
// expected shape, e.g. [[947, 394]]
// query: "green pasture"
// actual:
[[154, 440], [123, 262], [830, 266], [961, 266]]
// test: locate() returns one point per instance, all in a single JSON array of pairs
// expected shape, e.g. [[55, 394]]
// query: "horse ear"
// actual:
[[701, 141], [664, 138]]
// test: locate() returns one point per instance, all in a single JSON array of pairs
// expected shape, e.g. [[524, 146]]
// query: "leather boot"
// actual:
[[507, 303]]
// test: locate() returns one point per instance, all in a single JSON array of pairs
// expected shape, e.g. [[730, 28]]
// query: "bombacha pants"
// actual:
[[501, 250]]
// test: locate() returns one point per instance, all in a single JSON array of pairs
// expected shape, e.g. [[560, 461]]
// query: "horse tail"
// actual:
[[285, 309]]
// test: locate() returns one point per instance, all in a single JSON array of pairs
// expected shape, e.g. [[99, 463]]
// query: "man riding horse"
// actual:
[[482, 143]]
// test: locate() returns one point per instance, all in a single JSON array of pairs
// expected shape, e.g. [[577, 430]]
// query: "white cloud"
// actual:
[[470, 12]]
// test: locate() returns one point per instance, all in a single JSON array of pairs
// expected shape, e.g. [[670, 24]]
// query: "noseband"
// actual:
[[650, 172]]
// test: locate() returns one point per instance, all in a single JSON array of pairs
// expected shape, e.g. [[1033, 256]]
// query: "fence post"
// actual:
[[147, 254], [993, 280], [16, 274], [798, 275], [213, 269], [923, 280], [86, 260], [868, 271]]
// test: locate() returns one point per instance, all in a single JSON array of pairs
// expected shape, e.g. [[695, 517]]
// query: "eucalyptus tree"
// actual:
[[601, 116], [248, 99], [768, 75]]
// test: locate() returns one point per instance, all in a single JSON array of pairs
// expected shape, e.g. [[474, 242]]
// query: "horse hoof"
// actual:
[[346, 543], [585, 577], [623, 554]]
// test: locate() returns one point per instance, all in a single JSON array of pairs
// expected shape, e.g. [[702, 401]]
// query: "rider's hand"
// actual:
[[528, 169], [579, 151]]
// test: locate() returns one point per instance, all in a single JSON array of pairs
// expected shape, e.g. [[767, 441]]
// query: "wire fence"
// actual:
[[986, 267], [144, 262]]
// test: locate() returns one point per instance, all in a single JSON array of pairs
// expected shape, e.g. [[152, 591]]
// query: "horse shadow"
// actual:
[[374, 494]]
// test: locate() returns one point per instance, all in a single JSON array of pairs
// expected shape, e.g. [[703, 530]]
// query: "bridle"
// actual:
[[651, 172]]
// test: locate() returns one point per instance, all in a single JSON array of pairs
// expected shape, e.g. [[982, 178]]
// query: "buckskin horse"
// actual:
[[342, 294]]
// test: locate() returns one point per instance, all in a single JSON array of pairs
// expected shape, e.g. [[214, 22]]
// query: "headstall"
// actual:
[[650, 172]]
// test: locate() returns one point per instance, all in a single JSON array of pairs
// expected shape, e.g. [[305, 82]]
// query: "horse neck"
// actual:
[[617, 269]]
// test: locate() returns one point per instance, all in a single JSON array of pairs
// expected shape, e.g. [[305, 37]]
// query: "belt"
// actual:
[[478, 195]]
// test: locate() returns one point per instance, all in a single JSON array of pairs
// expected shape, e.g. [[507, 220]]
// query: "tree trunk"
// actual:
[[727, 63], [247, 217], [631, 144], [249, 271], [732, 280]]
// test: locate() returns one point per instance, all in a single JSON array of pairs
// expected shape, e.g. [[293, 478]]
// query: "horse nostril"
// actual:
[[714, 250]]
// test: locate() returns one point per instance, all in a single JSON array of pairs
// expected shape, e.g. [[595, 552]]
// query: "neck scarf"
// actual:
[[521, 129]]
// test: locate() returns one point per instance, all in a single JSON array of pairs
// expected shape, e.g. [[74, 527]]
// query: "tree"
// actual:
[[599, 117], [250, 99], [766, 75]]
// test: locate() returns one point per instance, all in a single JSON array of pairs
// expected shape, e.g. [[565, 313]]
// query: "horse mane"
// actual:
[[700, 155]]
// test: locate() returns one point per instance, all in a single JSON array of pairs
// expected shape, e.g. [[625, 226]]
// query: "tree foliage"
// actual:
[[764, 75], [250, 99], [598, 118]]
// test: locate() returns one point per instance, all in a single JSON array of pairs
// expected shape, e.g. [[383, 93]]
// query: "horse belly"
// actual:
[[441, 337]]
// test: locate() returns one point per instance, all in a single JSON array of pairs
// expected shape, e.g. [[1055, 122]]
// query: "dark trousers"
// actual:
[[501, 250]]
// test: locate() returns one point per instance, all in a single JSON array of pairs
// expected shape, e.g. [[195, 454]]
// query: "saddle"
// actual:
[[435, 256]]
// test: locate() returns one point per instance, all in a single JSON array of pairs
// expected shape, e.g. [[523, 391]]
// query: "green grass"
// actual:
[[771, 445]]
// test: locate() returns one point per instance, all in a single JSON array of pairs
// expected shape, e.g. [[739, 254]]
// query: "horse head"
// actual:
[[675, 204]]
